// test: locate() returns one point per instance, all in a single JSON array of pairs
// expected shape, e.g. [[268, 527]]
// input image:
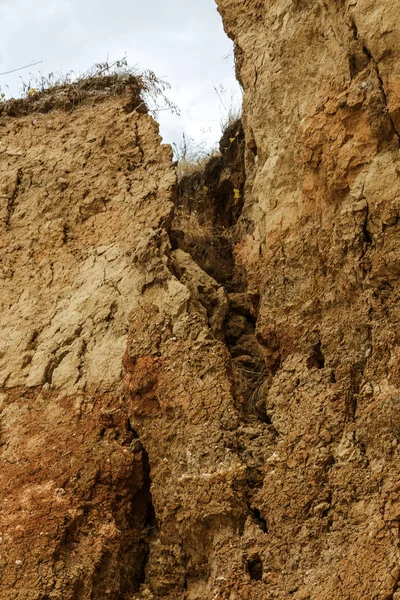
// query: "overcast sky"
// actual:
[[182, 41]]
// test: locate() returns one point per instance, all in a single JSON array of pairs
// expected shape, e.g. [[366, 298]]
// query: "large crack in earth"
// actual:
[[208, 206], [212, 202], [200, 254]]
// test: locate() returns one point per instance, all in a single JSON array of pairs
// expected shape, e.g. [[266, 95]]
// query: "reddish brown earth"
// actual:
[[171, 431]]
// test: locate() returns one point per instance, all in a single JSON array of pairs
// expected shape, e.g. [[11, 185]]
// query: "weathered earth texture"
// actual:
[[167, 432], [320, 245], [84, 197]]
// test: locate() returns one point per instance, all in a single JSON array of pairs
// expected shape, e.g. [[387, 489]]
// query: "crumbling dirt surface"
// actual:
[[82, 195], [320, 248], [175, 429]]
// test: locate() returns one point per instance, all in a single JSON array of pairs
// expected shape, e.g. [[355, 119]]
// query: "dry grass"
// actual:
[[202, 225], [197, 228], [209, 245], [191, 165], [66, 92], [230, 107], [191, 156]]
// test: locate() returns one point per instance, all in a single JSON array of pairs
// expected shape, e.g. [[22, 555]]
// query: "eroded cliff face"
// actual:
[[217, 422], [320, 248], [83, 195]]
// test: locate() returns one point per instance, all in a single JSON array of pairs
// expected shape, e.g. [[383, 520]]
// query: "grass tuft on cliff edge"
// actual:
[[145, 91]]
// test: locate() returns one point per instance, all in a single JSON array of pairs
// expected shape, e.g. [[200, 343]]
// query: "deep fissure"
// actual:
[[215, 199], [13, 197], [217, 208]]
